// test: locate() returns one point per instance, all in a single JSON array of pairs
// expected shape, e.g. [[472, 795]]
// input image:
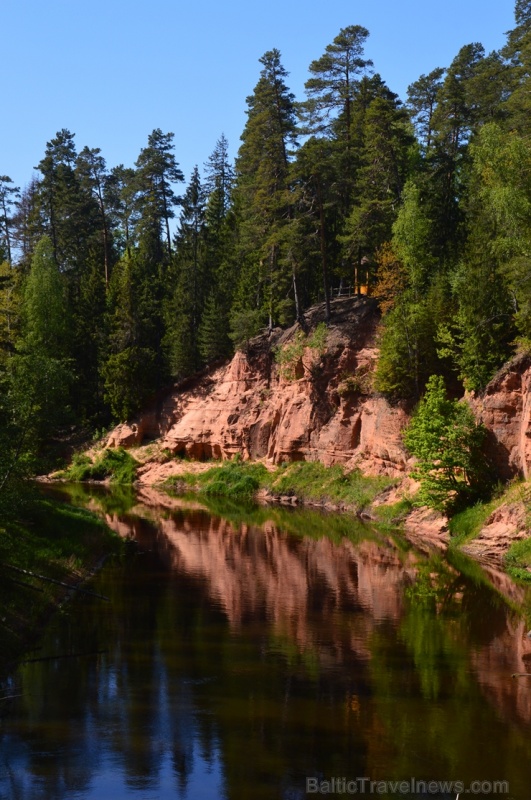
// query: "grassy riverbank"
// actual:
[[512, 503], [307, 482], [52, 540], [116, 466]]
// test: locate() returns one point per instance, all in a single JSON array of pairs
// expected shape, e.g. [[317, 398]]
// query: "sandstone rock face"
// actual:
[[125, 436], [506, 525], [321, 411], [505, 410]]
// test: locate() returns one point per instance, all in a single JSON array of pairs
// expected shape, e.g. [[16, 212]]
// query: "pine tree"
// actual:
[[213, 338], [121, 198], [332, 88], [422, 101], [338, 93], [9, 194], [315, 177], [218, 185], [68, 212], [157, 172], [93, 177]]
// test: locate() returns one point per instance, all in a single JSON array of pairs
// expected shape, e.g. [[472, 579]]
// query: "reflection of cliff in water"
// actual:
[[301, 586], [327, 598]]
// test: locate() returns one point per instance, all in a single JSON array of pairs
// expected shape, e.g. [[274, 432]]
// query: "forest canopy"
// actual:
[[115, 281]]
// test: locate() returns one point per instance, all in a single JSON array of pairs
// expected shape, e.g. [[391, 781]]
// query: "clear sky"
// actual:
[[113, 70]]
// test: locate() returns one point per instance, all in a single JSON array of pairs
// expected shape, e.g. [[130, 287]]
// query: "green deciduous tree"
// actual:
[[446, 440], [42, 368]]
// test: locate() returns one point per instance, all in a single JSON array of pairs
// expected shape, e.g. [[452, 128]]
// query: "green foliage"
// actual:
[[130, 377], [446, 440], [113, 308], [408, 354], [40, 373], [384, 161], [359, 382], [467, 524], [234, 479], [213, 338], [117, 465], [518, 560], [312, 481], [245, 323], [289, 356], [263, 196], [477, 339], [394, 513]]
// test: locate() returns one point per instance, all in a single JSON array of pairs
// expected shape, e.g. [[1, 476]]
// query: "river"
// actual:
[[253, 654]]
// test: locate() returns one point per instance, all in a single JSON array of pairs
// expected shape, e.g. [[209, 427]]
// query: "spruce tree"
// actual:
[[184, 310], [262, 193], [384, 163]]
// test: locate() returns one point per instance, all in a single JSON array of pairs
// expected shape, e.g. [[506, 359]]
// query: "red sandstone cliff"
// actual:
[[321, 412], [324, 411], [505, 410]]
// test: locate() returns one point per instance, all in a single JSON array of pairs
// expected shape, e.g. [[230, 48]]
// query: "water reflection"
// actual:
[[243, 655]]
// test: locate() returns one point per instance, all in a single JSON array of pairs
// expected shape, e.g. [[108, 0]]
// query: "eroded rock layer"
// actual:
[[319, 407]]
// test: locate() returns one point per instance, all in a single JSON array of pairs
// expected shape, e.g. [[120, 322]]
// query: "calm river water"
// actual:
[[255, 654]]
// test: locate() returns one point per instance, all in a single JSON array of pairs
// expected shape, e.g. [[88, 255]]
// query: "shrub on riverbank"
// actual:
[[116, 465]]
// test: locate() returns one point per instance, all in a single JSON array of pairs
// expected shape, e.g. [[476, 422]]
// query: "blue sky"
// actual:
[[113, 70]]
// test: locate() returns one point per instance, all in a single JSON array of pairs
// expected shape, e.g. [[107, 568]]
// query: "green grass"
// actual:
[[118, 465], [308, 522], [309, 481], [234, 479], [394, 513], [466, 525], [518, 559], [312, 481]]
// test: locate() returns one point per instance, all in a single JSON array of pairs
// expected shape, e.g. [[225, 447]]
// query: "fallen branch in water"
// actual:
[[54, 580], [521, 675]]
